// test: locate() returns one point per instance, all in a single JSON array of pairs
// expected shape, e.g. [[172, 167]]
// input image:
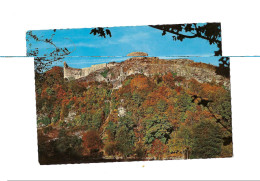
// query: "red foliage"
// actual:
[[91, 140], [158, 149], [60, 92], [168, 79], [178, 89]]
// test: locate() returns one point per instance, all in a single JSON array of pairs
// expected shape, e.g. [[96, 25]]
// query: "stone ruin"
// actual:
[[74, 73]]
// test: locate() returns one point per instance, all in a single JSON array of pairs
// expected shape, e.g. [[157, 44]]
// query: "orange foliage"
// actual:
[[158, 149], [160, 93], [168, 79], [210, 91], [139, 82]]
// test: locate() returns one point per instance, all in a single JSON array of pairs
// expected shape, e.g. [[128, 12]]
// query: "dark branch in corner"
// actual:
[[209, 31]]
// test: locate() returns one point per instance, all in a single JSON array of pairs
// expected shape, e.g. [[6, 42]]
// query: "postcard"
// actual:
[[157, 92]]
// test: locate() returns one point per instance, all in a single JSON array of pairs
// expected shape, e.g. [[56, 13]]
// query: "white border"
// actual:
[[240, 33]]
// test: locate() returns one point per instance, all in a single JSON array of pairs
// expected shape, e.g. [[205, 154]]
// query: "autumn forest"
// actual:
[[156, 117]]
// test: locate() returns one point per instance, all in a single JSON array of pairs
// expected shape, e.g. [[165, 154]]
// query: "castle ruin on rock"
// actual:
[[116, 73], [74, 73]]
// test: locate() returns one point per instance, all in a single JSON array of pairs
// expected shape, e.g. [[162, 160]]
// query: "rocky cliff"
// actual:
[[116, 73]]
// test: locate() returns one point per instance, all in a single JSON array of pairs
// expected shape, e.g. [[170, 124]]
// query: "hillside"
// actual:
[[140, 109]]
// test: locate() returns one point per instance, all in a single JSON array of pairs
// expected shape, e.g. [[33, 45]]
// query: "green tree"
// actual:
[[183, 102], [137, 98], [181, 141], [162, 105], [207, 140], [222, 106], [125, 141], [157, 127], [97, 119]]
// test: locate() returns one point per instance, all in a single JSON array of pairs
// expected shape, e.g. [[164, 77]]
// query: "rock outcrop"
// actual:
[[137, 54]]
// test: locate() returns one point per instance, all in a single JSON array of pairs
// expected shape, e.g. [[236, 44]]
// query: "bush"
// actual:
[[105, 73], [125, 141], [46, 120]]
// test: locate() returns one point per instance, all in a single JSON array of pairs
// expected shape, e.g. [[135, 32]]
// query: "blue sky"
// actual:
[[124, 40]]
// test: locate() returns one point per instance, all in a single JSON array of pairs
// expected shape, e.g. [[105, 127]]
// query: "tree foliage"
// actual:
[[207, 140]]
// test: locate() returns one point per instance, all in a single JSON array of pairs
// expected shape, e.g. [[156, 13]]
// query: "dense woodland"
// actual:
[[159, 117]]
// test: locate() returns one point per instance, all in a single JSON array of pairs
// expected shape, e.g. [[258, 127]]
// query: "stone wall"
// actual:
[[88, 70], [73, 73]]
